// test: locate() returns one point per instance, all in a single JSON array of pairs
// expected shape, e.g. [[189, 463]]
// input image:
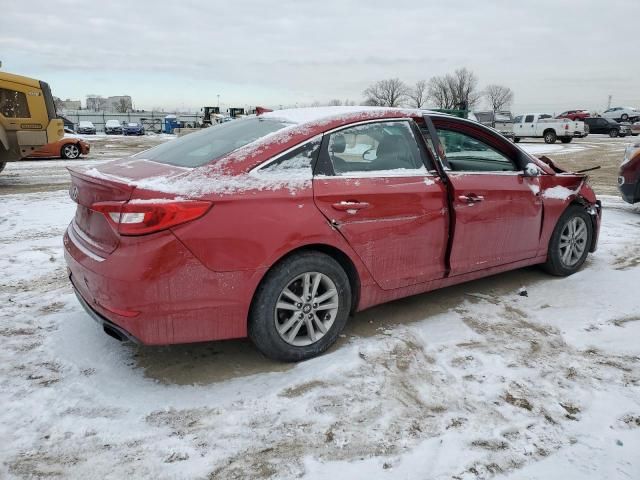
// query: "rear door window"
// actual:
[[388, 147], [13, 104], [528, 119]]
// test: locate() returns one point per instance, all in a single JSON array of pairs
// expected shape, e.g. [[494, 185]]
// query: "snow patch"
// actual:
[[558, 192]]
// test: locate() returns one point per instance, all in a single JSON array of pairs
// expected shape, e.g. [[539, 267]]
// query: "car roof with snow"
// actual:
[[346, 114]]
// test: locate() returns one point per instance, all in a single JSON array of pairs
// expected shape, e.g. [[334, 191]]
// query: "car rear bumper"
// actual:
[[153, 290], [109, 327]]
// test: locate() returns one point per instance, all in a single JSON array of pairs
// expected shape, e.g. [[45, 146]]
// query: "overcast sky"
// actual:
[[554, 54]]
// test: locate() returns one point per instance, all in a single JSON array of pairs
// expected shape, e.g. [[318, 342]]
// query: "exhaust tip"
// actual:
[[112, 332]]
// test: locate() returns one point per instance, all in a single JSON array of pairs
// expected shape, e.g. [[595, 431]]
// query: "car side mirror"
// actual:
[[531, 170]]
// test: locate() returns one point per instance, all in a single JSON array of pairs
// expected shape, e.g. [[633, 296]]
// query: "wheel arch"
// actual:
[[338, 255]]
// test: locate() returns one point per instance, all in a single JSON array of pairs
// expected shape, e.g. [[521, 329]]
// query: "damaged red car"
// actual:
[[282, 225]]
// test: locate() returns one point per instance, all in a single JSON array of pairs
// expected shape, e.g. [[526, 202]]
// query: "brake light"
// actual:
[[566, 126], [149, 216]]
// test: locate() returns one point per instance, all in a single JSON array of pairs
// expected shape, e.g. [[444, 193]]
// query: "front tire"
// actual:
[[70, 151], [570, 242], [300, 307], [550, 136], [613, 132], [2, 165], [624, 117], [516, 140]]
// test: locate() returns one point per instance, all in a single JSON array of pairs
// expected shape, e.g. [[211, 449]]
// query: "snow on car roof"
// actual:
[[318, 114]]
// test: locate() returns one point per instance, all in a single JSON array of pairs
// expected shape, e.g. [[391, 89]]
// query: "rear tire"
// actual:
[[70, 151], [566, 139], [516, 140], [624, 117], [613, 132], [550, 136], [570, 242], [2, 165], [286, 322]]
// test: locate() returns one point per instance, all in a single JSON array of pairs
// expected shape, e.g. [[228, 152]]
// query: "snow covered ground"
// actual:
[[474, 381], [470, 382]]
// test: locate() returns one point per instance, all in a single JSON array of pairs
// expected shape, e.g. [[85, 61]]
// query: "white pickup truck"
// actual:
[[542, 125]]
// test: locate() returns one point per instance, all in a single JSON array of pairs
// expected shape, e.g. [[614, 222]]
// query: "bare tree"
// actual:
[[387, 93], [457, 90], [123, 106], [335, 102], [498, 96], [418, 95]]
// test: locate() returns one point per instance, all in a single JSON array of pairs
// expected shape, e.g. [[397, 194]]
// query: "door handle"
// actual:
[[344, 206], [471, 198]]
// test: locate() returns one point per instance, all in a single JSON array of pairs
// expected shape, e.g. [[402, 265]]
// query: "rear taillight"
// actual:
[[148, 216]]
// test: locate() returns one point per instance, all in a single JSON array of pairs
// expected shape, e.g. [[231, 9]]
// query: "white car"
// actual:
[[622, 114], [112, 127]]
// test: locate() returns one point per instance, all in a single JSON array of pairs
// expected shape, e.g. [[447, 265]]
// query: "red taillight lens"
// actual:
[[139, 217]]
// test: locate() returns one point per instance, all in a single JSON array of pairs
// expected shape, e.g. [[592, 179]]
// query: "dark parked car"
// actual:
[[629, 175], [606, 126], [86, 127], [133, 128], [280, 226]]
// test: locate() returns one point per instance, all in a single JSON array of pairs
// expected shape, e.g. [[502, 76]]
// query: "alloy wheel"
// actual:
[[306, 309], [71, 151], [573, 241]]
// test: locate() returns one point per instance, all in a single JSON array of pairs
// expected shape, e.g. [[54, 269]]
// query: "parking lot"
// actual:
[[537, 386]]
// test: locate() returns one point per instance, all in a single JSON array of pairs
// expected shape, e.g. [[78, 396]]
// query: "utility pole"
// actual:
[[218, 102], [609, 103]]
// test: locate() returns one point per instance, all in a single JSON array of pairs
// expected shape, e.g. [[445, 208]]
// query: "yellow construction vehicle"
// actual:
[[28, 117]]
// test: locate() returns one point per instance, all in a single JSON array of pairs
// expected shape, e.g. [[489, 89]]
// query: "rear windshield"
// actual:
[[196, 149]]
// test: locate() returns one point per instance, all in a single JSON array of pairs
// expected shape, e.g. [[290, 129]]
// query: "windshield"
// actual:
[[133, 124], [197, 149]]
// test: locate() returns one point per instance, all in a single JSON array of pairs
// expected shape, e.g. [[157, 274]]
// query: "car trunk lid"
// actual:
[[90, 227], [110, 182]]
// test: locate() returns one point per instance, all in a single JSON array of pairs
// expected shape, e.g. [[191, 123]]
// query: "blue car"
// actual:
[[133, 128]]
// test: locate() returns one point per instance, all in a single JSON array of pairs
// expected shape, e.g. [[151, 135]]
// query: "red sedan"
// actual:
[[279, 226], [575, 114]]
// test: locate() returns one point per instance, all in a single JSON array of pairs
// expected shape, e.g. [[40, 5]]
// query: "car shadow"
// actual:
[[213, 362]]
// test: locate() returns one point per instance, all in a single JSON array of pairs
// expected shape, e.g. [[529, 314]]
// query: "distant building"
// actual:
[[96, 103], [67, 105], [119, 104], [115, 104]]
